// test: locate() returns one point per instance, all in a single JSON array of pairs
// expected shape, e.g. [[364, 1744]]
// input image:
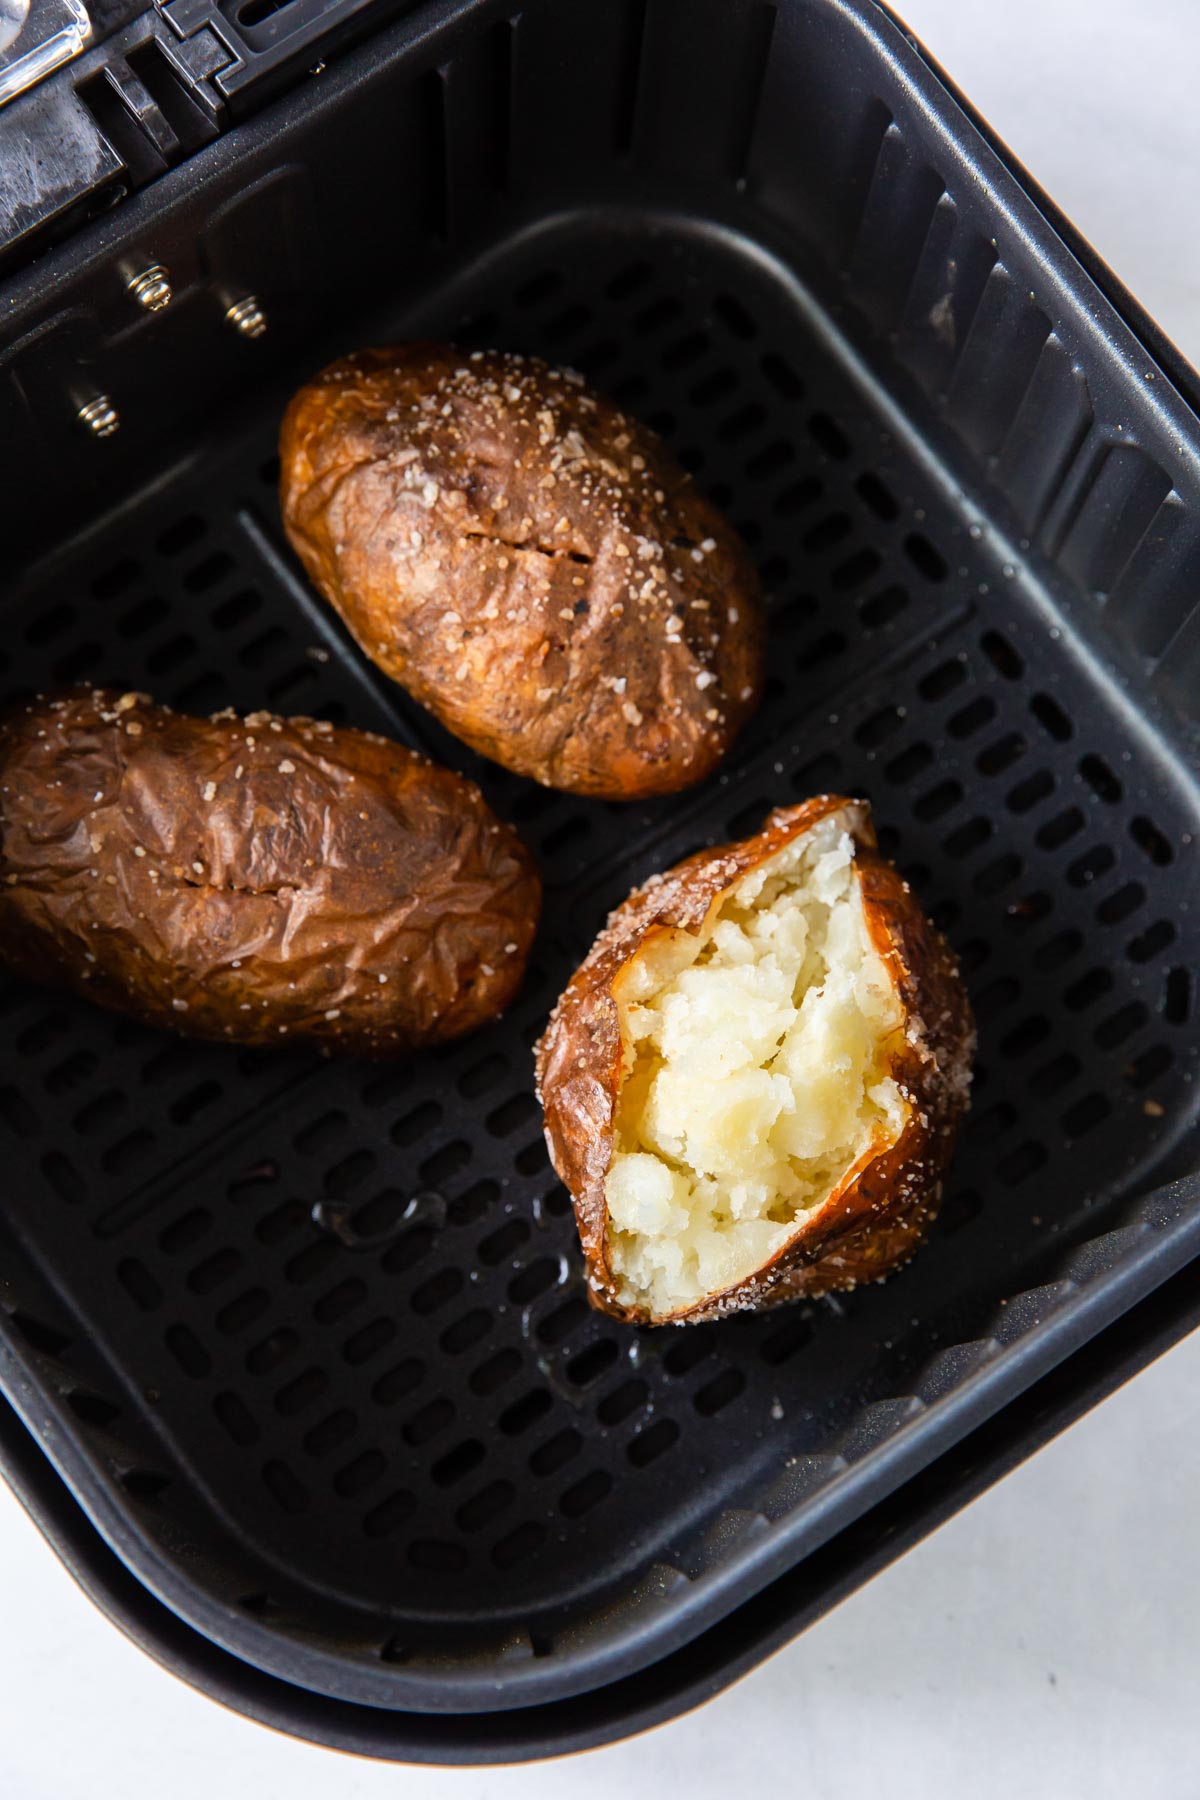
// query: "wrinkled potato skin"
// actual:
[[264, 881], [878, 1216], [501, 542]]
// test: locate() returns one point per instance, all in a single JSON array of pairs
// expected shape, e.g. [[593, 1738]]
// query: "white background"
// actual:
[[1047, 1641]]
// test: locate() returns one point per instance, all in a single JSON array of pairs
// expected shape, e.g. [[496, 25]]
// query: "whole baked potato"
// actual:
[[259, 879], [532, 565], [753, 1082]]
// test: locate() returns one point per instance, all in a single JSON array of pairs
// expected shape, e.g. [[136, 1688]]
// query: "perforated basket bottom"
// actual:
[[396, 1424]]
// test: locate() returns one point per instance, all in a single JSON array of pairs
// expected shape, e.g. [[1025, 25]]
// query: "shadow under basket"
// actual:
[[322, 1414]]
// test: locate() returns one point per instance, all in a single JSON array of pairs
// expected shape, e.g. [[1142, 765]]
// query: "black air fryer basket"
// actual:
[[321, 1414]]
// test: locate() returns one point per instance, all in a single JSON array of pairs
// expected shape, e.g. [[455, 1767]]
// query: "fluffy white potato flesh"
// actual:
[[756, 1055]]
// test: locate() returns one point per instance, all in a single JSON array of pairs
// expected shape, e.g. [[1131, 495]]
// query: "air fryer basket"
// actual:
[[308, 1340]]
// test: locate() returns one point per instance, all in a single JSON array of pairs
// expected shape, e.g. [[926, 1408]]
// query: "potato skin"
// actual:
[[533, 566], [883, 1208], [261, 880]]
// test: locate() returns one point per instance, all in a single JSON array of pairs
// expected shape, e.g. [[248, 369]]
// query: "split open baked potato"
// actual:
[[753, 1082]]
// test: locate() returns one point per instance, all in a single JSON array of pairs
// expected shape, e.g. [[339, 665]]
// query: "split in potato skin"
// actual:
[[532, 565], [848, 1105]]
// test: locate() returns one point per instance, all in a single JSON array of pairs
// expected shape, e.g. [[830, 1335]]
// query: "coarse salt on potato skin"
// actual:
[[258, 880], [876, 1213], [532, 565]]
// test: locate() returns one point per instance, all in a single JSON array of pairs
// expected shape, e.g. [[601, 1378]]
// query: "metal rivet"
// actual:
[[247, 317], [99, 416], [152, 288]]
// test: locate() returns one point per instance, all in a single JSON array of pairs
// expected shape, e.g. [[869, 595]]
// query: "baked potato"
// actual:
[[532, 565], [753, 1082], [264, 880]]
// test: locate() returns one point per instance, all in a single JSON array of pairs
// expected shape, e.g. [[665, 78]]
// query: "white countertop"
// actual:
[[1047, 1641]]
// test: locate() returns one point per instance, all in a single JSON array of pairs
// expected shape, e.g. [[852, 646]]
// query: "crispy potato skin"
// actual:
[[533, 566], [883, 1208], [262, 880]]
